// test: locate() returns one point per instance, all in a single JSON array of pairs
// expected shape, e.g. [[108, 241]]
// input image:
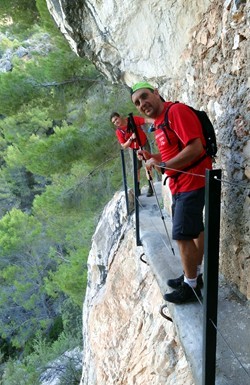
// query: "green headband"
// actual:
[[139, 86]]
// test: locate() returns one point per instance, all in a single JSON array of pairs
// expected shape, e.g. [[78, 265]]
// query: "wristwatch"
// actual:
[[162, 164]]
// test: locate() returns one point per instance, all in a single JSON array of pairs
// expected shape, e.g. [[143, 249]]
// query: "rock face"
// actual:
[[195, 52], [126, 340]]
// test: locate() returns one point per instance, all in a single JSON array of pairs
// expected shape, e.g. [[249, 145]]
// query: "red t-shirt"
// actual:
[[185, 127], [123, 135]]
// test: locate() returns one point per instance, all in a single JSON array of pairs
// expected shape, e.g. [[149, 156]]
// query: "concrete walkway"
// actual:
[[233, 327]]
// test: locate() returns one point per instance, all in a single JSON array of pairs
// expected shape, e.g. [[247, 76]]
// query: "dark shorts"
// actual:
[[187, 214]]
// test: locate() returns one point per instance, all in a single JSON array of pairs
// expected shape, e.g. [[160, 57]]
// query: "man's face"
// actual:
[[116, 120], [147, 102]]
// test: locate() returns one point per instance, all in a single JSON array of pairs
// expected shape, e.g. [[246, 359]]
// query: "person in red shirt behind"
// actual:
[[128, 139], [181, 146]]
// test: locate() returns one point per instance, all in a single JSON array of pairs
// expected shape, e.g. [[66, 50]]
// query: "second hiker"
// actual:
[[128, 139]]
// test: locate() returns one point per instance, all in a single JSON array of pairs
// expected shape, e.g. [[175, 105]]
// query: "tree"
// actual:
[[15, 18], [60, 164], [24, 306]]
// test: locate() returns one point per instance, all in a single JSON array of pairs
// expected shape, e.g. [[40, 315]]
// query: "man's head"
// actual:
[[140, 85], [147, 99], [116, 119]]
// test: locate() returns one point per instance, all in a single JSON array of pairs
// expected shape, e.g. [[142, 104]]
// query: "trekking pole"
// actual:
[[162, 216], [132, 126]]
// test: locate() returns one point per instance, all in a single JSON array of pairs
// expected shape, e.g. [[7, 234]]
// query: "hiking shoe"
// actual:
[[184, 294], [150, 192], [177, 282]]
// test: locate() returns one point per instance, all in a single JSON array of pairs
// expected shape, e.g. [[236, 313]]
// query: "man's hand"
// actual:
[[151, 163], [143, 155]]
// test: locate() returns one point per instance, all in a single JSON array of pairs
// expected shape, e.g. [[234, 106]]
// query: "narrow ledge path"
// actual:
[[233, 327]]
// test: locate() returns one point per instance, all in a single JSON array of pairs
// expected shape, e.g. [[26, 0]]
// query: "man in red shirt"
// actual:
[[128, 139], [181, 146]]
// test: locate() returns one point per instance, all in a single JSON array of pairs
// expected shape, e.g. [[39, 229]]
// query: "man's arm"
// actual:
[[128, 142], [190, 153]]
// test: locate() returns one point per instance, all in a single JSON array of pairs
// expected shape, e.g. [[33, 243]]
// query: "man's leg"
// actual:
[[138, 175], [187, 220], [150, 191], [188, 291], [189, 257], [199, 242], [138, 179], [191, 254]]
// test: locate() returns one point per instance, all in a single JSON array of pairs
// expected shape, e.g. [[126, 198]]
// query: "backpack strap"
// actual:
[[166, 126], [122, 131]]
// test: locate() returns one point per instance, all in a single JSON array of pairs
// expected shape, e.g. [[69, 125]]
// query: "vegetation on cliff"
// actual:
[[60, 163]]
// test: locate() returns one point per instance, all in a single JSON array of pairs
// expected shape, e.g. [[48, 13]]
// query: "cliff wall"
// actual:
[[126, 340], [195, 52]]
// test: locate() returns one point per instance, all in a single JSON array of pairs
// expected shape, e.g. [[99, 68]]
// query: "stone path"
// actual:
[[233, 327]]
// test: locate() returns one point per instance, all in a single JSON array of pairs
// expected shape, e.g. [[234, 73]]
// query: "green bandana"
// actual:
[[139, 86]]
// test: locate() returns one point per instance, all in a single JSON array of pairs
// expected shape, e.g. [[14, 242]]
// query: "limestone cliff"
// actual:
[[195, 52], [126, 340]]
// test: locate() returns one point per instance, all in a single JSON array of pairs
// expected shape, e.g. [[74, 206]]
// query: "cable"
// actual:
[[237, 184], [162, 217], [154, 225], [183, 172], [229, 347], [200, 301]]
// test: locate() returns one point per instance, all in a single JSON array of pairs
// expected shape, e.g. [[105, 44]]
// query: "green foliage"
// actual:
[[49, 25], [17, 230], [70, 278], [48, 80], [26, 122], [28, 371], [14, 87], [18, 188], [15, 18], [72, 319], [18, 373], [51, 155], [60, 164], [24, 308]]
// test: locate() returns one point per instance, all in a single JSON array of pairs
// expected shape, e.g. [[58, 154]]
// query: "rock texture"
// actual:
[[32, 45], [195, 52], [126, 340]]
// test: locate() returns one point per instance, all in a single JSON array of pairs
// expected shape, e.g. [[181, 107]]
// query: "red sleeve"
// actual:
[[139, 120], [120, 136]]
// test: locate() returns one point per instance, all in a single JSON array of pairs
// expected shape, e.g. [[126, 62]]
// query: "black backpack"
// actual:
[[207, 128]]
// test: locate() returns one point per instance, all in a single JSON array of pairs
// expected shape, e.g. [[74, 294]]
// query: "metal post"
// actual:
[[136, 189], [125, 181], [211, 269]]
